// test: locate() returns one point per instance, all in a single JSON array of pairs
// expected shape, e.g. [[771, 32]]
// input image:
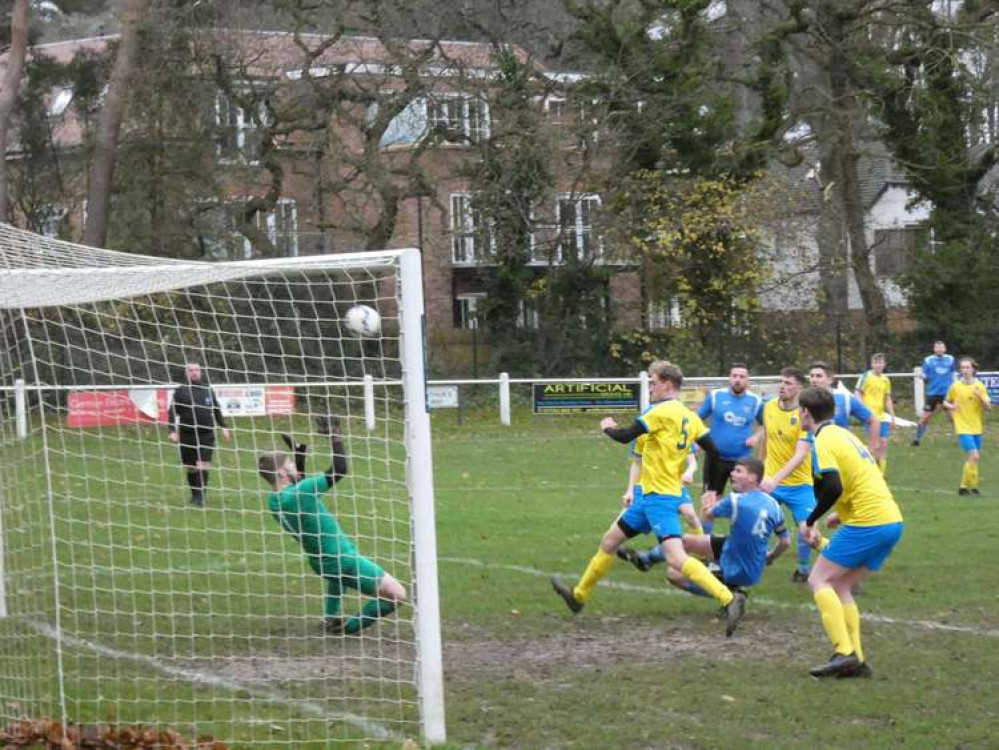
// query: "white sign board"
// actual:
[[442, 397], [242, 402]]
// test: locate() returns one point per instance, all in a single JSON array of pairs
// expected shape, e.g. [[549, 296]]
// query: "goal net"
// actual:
[[124, 602]]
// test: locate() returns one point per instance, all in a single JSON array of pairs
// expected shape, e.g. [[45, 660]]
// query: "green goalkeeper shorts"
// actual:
[[351, 570]]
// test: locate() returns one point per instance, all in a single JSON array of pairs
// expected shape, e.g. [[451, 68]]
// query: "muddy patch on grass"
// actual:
[[613, 642]]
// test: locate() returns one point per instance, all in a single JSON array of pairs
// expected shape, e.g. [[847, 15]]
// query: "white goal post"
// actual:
[[144, 581]]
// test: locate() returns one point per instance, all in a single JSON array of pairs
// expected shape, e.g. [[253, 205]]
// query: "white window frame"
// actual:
[[662, 315], [467, 304], [580, 230], [266, 221], [467, 239], [240, 127], [464, 124]]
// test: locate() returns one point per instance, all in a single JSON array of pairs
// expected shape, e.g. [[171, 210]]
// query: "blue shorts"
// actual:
[[653, 514], [798, 498], [685, 497], [970, 442], [863, 546], [885, 429]]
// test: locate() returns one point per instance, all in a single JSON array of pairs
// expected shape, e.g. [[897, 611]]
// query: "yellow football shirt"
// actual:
[[671, 428], [784, 432], [969, 411], [875, 389], [866, 499]]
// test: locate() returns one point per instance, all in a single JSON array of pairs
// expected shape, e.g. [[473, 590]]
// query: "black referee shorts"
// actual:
[[716, 473], [195, 446]]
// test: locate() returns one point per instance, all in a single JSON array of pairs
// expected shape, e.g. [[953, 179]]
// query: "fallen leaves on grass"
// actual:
[[47, 733]]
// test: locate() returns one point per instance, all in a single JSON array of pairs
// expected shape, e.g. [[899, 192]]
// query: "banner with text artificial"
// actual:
[[567, 398]]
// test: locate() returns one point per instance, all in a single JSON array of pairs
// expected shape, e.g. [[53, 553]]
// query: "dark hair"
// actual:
[[739, 366], [819, 402], [752, 465], [793, 372], [268, 465], [667, 371], [820, 365], [878, 356]]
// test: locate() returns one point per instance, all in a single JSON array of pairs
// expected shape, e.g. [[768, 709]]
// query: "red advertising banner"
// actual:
[[101, 408], [137, 405], [280, 399]]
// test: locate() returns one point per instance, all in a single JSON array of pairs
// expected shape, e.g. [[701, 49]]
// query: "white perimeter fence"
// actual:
[[910, 382]]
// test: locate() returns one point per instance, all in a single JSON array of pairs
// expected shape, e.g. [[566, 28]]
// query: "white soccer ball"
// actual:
[[363, 320]]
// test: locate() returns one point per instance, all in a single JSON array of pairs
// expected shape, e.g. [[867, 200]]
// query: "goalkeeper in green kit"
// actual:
[[298, 506]]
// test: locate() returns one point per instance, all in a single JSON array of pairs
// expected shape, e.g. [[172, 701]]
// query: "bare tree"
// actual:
[[11, 89], [133, 13]]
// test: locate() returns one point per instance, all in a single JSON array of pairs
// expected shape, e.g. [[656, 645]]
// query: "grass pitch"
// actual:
[[641, 666]]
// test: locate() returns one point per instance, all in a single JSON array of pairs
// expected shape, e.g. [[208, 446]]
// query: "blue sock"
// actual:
[[708, 526], [696, 590], [654, 555], [804, 554], [921, 431]]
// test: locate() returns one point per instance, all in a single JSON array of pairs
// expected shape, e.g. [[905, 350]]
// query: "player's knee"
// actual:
[[611, 541], [973, 457], [390, 588], [676, 558]]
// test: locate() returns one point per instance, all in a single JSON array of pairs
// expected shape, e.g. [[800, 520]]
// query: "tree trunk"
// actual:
[[11, 89], [848, 185], [832, 246], [95, 233]]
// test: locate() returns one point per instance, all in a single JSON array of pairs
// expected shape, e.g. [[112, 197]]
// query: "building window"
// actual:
[[575, 217], [466, 310], [50, 220], [239, 135], [893, 250], [458, 117], [663, 314], [221, 236], [528, 316], [60, 101], [471, 241]]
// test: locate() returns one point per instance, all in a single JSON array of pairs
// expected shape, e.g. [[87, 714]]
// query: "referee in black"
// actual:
[[194, 415]]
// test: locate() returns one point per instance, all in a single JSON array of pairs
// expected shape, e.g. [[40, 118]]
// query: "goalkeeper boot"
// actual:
[[840, 665], [799, 576], [567, 596], [734, 611], [334, 625], [198, 499], [963, 491], [974, 491], [634, 557]]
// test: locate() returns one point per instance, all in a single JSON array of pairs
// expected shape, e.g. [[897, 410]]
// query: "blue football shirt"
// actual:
[[849, 406], [731, 420], [939, 373], [754, 517]]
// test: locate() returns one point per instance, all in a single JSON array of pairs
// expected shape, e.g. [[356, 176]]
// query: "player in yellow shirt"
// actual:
[[847, 477], [874, 388], [670, 428], [967, 399], [785, 447]]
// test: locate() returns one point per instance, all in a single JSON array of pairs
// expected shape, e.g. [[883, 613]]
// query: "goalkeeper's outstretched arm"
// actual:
[[300, 451], [330, 425]]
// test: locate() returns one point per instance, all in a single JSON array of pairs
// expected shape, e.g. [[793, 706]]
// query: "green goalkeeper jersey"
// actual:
[[300, 509]]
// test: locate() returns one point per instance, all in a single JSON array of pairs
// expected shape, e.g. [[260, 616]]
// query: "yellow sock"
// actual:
[[697, 572], [972, 476], [852, 617], [599, 564], [966, 476], [831, 609]]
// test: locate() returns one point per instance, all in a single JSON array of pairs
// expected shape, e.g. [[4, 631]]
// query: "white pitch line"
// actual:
[[669, 591], [204, 678]]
